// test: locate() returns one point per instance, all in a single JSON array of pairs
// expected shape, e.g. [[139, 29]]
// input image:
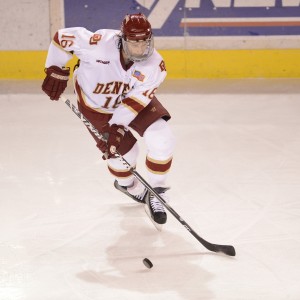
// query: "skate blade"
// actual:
[[159, 227]]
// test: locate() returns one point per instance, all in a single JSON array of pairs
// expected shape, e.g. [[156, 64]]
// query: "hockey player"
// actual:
[[119, 72]]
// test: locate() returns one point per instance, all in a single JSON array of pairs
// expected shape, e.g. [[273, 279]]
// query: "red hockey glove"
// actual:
[[114, 135], [55, 82]]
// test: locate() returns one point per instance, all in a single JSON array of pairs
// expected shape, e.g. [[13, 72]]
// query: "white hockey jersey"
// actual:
[[105, 83]]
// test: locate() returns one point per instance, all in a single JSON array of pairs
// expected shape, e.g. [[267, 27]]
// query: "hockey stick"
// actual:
[[226, 249]]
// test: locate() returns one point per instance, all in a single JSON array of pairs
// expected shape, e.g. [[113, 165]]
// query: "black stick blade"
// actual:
[[226, 249]]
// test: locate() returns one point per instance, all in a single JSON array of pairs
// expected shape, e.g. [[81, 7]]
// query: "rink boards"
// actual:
[[198, 39]]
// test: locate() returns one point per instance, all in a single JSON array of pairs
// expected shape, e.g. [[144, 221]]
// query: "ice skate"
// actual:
[[138, 194], [155, 209]]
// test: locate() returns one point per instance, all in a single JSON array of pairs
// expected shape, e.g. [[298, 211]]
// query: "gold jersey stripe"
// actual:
[[134, 104]]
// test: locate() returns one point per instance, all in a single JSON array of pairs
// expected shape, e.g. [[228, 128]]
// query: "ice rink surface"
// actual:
[[66, 233]]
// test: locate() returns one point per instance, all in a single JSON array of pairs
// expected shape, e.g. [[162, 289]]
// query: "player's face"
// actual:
[[137, 48]]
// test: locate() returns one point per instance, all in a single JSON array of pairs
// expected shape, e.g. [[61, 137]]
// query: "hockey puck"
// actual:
[[147, 262]]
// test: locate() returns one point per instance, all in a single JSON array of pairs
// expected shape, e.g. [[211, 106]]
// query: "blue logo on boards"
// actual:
[[191, 17]]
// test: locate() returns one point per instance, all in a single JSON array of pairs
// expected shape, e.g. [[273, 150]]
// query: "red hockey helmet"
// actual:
[[137, 39], [136, 27]]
